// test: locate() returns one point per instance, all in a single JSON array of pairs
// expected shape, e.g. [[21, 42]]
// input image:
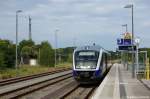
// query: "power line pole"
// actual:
[[30, 34], [17, 12], [56, 47]]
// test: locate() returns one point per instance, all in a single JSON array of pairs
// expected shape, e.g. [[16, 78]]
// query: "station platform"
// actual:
[[119, 84], [146, 83]]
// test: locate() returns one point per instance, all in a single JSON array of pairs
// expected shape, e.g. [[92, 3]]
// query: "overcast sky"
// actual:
[[80, 22]]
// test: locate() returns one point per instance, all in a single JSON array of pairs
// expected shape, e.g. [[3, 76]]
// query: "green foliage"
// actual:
[[142, 55], [23, 71], [46, 54], [115, 55], [27, 50], [66, 54], [28, 43], [69, 58], [10, 56], [7, 54], [2, 64]]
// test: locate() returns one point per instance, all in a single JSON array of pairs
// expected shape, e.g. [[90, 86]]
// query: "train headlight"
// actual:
[[93, 67], [78, 66], [85, 67]]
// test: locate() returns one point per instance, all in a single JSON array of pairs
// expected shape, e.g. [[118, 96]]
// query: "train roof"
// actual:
[[94, 47]]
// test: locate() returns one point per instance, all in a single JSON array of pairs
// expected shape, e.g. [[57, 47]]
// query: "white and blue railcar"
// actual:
[[90, 63]]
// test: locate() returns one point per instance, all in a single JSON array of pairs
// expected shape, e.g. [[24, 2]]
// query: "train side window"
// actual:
[[101, 64], [105, 59], [102, 60]]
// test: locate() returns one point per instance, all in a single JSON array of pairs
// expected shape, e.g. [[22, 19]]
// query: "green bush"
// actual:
[[46, 54], [7, 54], [2, 64]]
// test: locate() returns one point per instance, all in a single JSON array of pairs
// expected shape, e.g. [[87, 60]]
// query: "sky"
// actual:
[[77, 22]]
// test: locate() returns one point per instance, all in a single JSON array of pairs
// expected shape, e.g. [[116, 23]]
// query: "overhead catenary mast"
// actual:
[[30, 34]]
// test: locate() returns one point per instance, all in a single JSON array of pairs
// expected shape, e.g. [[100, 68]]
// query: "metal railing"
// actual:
[[142, 72]]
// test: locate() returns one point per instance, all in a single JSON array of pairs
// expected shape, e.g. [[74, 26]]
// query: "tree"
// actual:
[[68, 52], [27, 50], [23, 43], [7, 54], [46, 54], [2, 64], [69, 58], [142, 56], [10, 56]]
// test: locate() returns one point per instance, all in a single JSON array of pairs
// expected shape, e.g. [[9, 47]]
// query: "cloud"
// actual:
[[87, 20]]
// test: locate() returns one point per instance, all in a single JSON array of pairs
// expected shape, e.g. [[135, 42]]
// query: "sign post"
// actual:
[[137, 41], [126, 44]]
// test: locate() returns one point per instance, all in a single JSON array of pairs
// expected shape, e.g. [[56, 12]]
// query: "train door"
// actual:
[[106, 61], [103, 63]]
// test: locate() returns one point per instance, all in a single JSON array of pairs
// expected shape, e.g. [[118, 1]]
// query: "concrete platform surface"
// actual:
[[146, 83], [119, 84]]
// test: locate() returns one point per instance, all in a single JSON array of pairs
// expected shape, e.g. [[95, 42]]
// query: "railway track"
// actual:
[[72, 91], [19, 92], [19, 79], [81, 92], [60, 87]]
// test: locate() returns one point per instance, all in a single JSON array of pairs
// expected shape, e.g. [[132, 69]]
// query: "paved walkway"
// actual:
[[119, 84], [146, 83]]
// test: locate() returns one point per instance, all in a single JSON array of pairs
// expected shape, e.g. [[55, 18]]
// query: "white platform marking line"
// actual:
[[116, 93]]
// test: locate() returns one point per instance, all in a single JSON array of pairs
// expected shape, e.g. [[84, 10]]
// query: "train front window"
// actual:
[[86, 59]]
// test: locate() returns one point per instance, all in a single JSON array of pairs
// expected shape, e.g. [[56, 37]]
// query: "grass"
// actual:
[[64, 64], [29, 70]]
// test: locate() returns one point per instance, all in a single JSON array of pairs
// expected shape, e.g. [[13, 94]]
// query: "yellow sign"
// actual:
[[127, 36]]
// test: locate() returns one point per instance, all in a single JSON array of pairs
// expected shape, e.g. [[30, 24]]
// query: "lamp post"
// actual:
[[133, 68], [137, 41], [17, 12], [56, 46]]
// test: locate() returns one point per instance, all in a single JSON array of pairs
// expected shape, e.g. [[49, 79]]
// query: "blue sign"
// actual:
[[120, 41], [127, 48], [124, 42], [127, 42]]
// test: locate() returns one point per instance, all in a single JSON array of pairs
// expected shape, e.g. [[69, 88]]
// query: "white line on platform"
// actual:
[[116, 94]]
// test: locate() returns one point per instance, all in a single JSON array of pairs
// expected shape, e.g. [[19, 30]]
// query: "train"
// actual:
[[90, 63]]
